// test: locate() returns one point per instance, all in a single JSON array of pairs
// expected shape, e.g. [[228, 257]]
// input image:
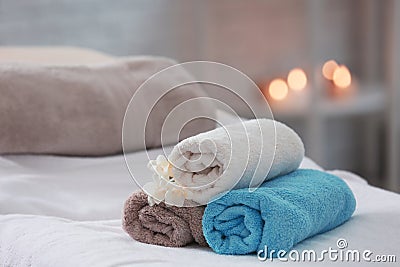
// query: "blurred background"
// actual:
[[329, 68]]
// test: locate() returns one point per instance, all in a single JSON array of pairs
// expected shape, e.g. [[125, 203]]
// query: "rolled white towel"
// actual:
[[235, 156]]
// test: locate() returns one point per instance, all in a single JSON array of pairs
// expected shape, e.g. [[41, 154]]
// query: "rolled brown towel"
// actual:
[[161, 225]]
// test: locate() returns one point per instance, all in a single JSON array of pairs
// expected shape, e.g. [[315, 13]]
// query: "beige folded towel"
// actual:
[[162, 225]]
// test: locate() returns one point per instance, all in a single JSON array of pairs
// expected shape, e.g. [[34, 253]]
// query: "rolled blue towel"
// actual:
[[279, 214]]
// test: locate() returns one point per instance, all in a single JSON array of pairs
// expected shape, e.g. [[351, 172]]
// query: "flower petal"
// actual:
[[156, 178], [159, 195], [164, 183], [161, 159], [170, 172], [188, 194], [157, 201], [150, 188], [174, 197], [150, 200]]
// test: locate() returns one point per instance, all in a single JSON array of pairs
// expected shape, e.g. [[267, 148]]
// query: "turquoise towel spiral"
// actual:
[[279, 214]]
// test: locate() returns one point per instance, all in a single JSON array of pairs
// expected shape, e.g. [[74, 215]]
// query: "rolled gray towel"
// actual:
[[162, 225]]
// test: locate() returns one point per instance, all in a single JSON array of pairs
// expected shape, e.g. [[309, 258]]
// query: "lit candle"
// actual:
[[297, 79], [329, 68], [342, 77], [278, 89]]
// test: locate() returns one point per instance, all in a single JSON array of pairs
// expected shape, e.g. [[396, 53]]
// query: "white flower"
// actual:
[[157, 189], [176, 196], [161, 167], [164, 188]]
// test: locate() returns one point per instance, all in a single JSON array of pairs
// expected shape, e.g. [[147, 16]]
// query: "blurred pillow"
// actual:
[[79, 110], [54, 55]]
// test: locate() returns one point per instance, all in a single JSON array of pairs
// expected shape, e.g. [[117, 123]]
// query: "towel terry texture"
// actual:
[[236, 156], [279, 214], [161, 225]]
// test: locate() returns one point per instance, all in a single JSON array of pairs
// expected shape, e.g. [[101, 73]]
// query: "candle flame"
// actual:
[[278, 89], [297, 79], [329, 68], [342, 77]]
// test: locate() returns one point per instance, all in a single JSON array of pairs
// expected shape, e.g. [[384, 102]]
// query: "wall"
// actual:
[[261, 38], [264, 37]]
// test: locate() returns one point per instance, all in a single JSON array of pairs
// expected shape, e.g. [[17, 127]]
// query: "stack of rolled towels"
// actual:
[[237, 189]]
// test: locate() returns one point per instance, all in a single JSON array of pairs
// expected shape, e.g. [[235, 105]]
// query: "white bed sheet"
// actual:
[[60, 211]]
